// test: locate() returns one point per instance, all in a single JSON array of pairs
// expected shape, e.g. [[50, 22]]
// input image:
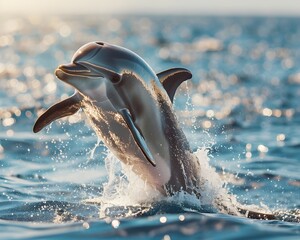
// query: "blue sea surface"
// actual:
[[241, 110]]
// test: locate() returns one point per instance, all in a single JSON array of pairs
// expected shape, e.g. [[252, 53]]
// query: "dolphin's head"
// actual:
[[97, 60]]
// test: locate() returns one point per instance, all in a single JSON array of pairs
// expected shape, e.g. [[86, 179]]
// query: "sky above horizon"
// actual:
[[204, 7]]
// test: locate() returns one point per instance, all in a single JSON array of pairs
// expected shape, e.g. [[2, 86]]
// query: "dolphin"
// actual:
[[130, 109]]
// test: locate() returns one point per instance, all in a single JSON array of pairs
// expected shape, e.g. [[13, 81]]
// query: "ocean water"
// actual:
[[240, 113]]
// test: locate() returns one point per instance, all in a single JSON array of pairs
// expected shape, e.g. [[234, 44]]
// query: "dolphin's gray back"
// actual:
[[184, 166]]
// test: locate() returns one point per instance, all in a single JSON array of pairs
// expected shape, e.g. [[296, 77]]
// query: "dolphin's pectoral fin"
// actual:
[[61, 109], [172, 78], [137, 135]]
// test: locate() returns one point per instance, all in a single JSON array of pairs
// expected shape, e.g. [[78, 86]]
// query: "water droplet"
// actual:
[[207, 124], [28, 114], [280, 137], [10, 133], [263, 149], [86, 225], [210, 113], [248, 154], [289, 113], [163, 219], [277, 113], [248, 147], [166, 237], [267, 112], [8, 122], [115, 223]]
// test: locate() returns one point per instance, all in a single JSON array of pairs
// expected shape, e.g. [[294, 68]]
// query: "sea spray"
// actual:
[[125, 194]]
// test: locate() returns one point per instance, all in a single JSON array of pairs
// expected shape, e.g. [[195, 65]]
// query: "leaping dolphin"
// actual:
[[130, 109]]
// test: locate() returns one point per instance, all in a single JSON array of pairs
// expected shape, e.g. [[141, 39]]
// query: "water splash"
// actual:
[[92, 151], [123, 190], [126, 195]]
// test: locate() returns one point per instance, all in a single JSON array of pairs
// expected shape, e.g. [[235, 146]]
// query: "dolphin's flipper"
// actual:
[[137, 135], [172, 78], [61, 109]]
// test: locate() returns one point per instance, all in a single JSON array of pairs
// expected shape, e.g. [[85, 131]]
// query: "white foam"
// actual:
[[125, 189]]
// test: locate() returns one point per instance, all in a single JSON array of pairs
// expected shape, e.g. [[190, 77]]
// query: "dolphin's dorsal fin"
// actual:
[[61, 109], [139, 139], [172, 78]]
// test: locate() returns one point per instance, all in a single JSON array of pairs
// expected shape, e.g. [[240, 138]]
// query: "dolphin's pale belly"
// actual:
[[113, 131]]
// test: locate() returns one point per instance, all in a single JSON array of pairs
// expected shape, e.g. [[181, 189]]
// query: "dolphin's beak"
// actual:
[[83, 70], [78, 76], [74, 70]]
